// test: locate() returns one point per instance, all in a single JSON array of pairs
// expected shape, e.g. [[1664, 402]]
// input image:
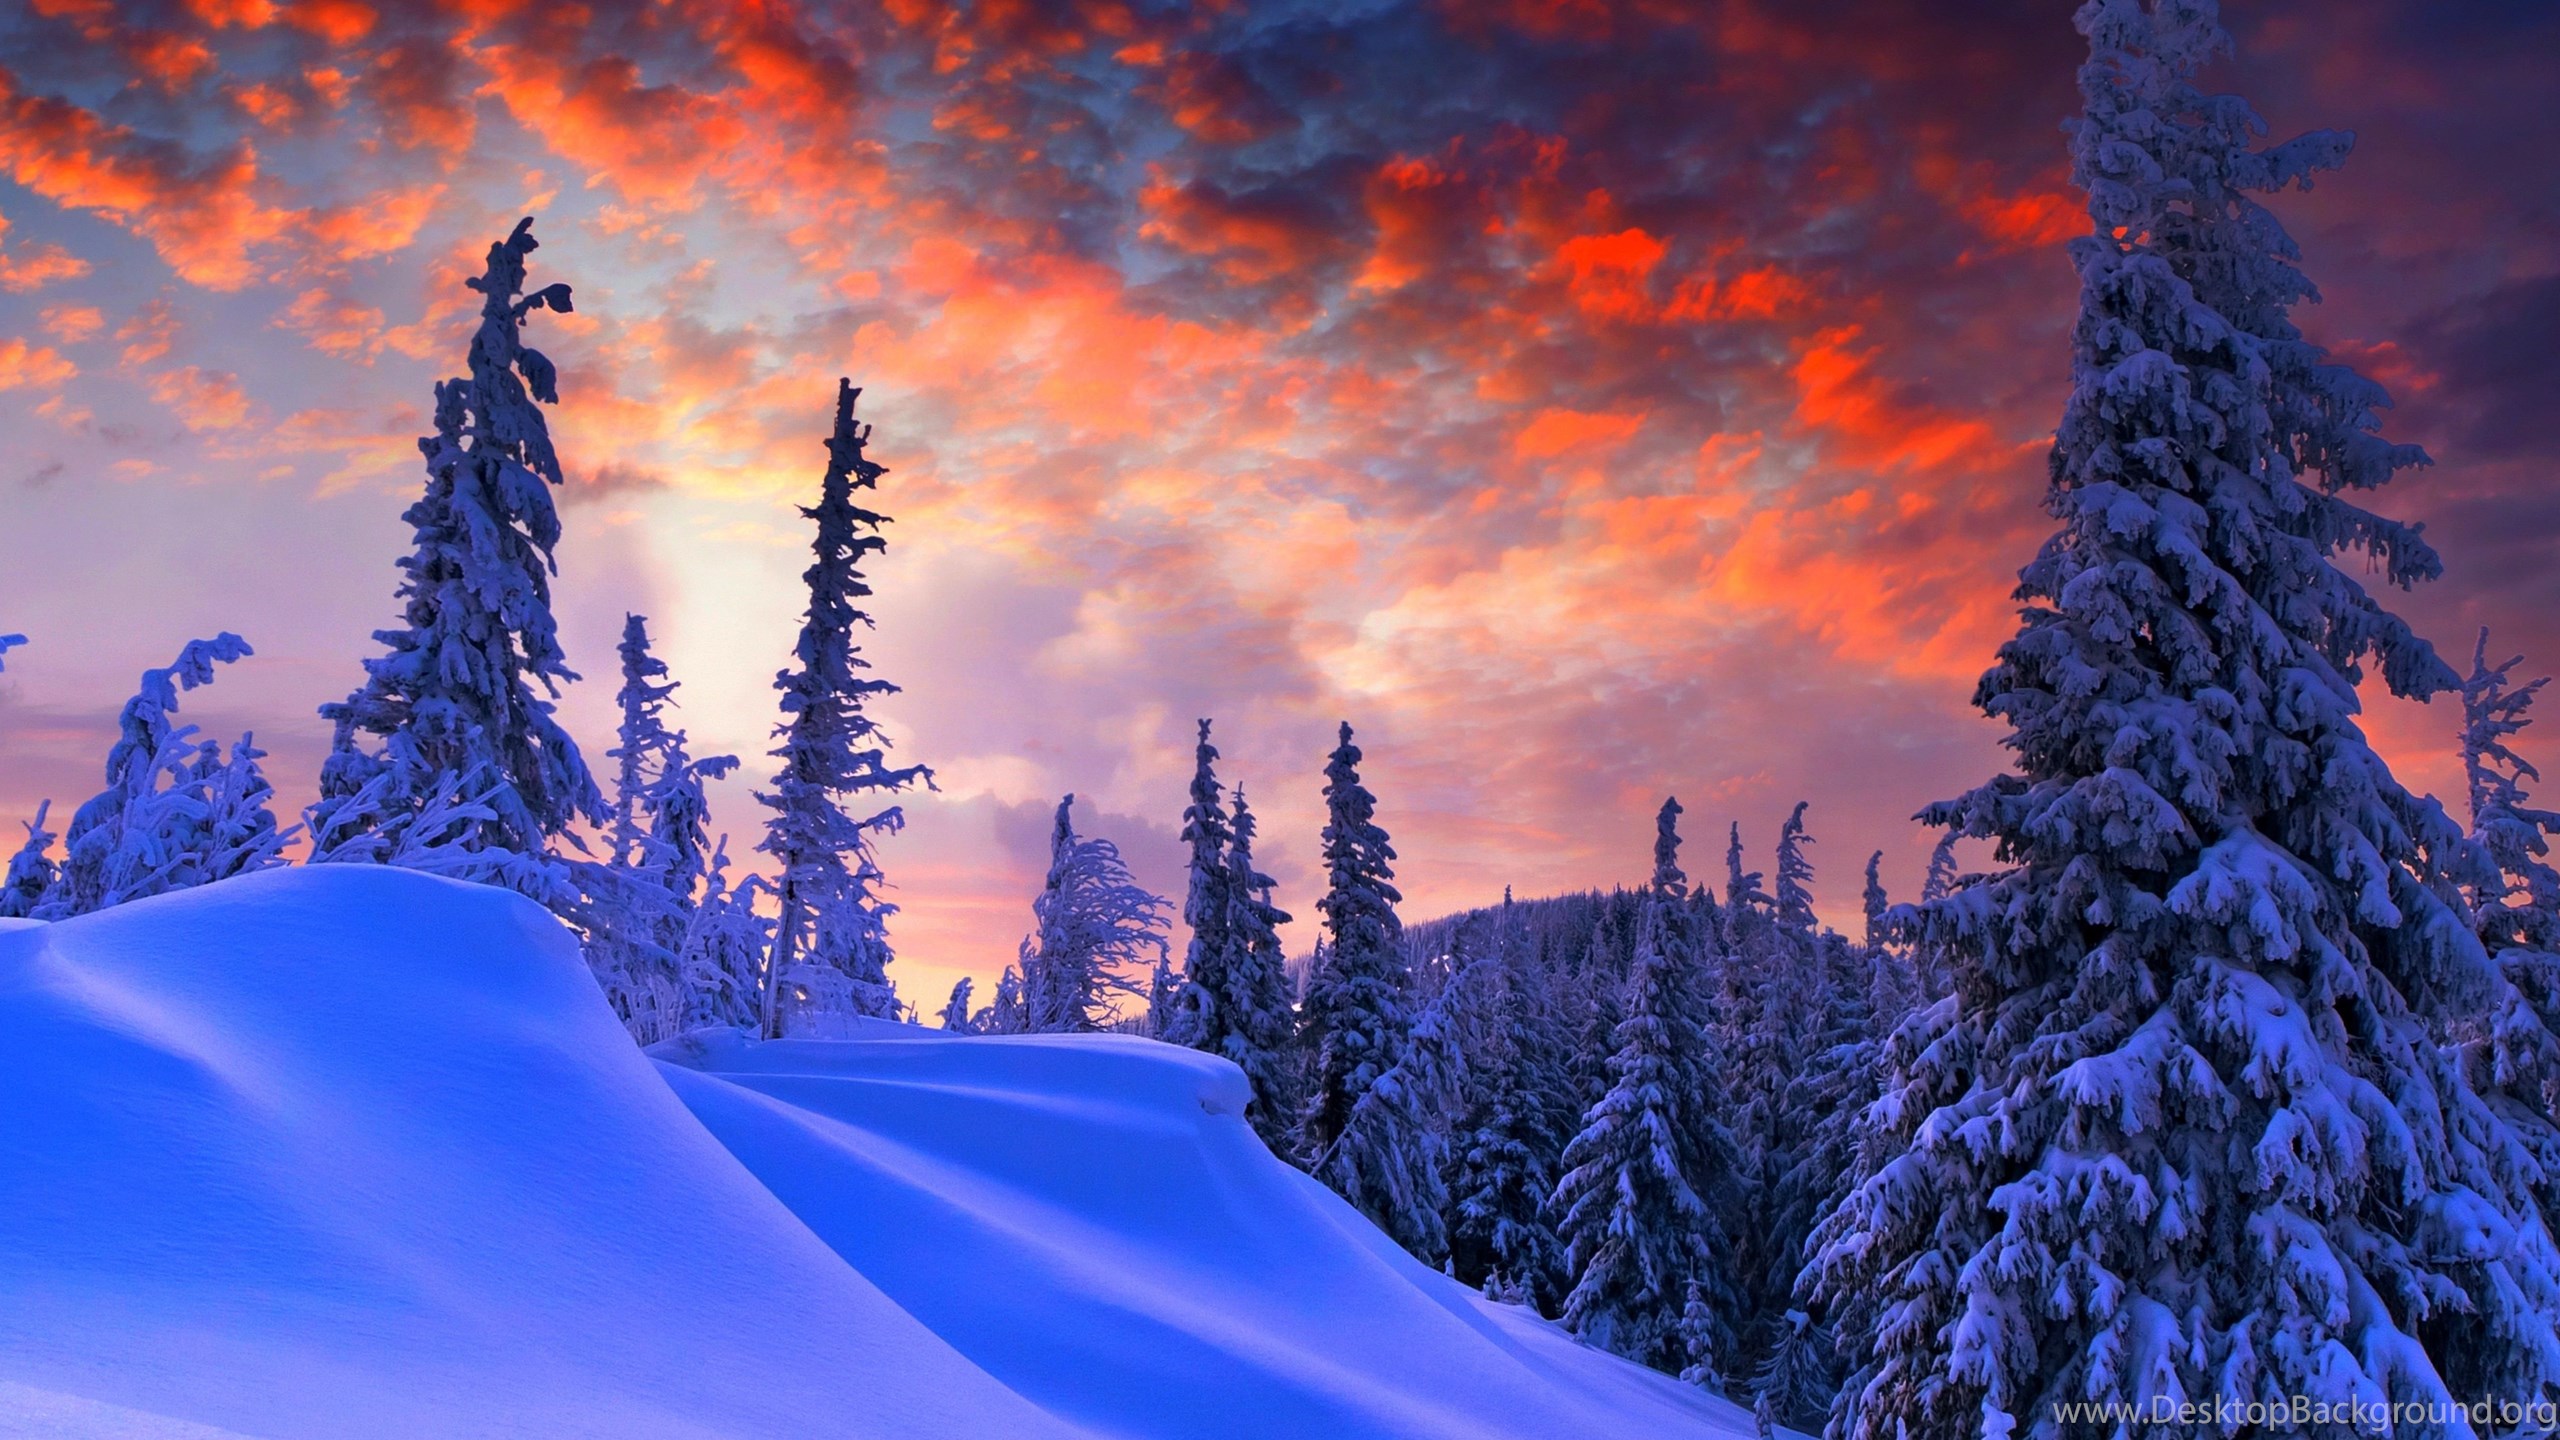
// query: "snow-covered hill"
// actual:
[[352, 1151]]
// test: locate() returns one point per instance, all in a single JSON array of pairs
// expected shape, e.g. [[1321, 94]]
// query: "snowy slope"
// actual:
[[1090, 1219], [359, 1152]]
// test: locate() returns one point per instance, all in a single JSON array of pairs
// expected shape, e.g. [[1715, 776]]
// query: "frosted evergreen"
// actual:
[[955, 1011], [1794, 900], [1388, 1159], [2513, 1049], [644, 742], [1096, 927], [1632, 1206], [451, 700], [831, 938], [1004, 1014], [725, 944], [1508, 1139], [1237, 1002], [1941, 878], [1358, 1000], [1874, 901], [2193, 1137], [639, 911], [31, 869], [176, 811], [1205, 904], [1794, 1384]]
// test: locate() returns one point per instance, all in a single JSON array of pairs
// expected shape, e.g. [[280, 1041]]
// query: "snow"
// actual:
[[353, 1150]]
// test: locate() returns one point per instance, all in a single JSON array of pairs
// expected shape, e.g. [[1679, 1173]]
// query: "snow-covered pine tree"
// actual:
[[1795, 874], [1096, 925], [31, 870], [724, 949], [1742, 892], [1699, 1332], [1507, 1142], [1236, 1002], [832, 931], [1004, 1014], [955, 1011], [1163, 986], [1941, 878], [1389, 1159], [174, 813], [639, 908], [1358, 1002], [1206, 830], [645, 742], [2514, 1047], [1875, 901], [2520, 909], [1632, 1222], [239, 831], [1632, 1207], [2207, 1148], [1794, 1382], [452, 698]]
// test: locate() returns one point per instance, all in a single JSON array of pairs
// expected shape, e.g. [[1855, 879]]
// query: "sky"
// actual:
[[1588, 400]]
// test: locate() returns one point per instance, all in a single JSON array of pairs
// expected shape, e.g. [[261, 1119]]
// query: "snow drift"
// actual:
[[354, 1151]]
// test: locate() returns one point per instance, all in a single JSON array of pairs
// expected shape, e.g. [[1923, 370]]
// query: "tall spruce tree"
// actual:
[[1632, 1207], [1205, 903], [645, 741], [1358, 1000], [1875, 901], [831, 939], [1242, 1009], [1794, 900], [2201, 1144], [451, 700], [2518, 903], [1646, 1251], [640, 909], [1504, 1156], [2514, 1047]]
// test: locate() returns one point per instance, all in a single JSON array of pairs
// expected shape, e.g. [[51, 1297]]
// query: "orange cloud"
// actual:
[[72, 324], [1555, 432], [23, 366], [147, 333], [652, 143], [36, 266], [204, 219], [202, 399], [333, 324]]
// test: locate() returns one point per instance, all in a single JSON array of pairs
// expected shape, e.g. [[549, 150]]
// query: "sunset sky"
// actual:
[[1589, 401]]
